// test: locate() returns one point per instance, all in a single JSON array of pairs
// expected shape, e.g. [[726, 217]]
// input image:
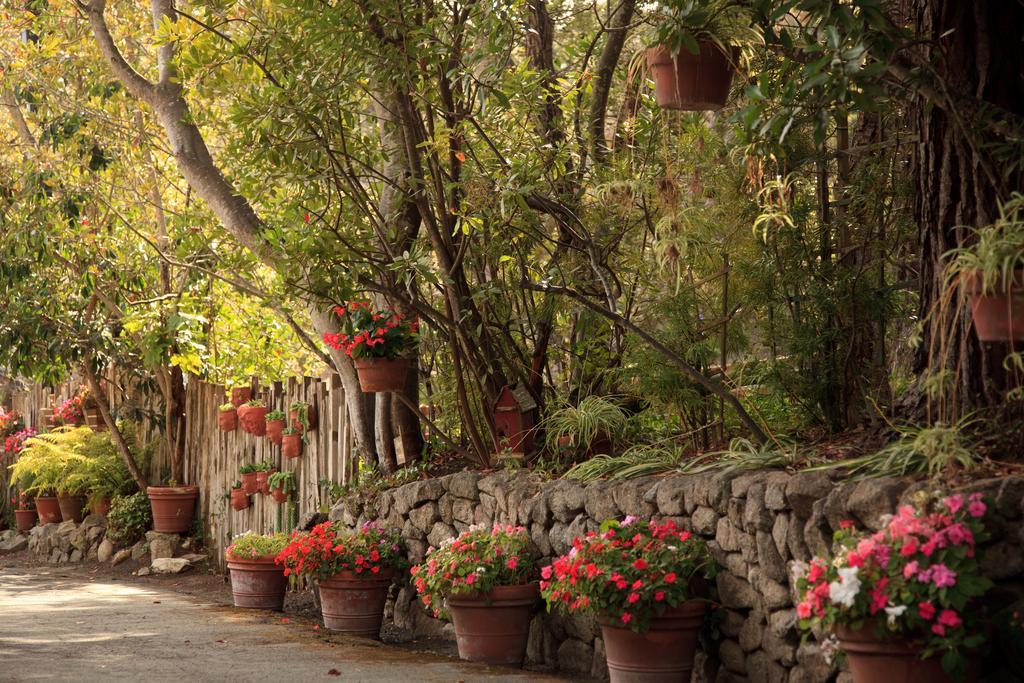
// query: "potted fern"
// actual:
[[991, 274], [691, 59]]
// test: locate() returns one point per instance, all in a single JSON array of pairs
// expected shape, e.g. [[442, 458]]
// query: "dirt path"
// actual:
[[61, 626]]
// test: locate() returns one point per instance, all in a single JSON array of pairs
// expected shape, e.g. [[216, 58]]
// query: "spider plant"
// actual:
[[582, 424]]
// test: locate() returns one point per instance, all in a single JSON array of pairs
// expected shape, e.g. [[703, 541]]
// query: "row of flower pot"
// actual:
[[264, 479], [172, 508], [900, 600]]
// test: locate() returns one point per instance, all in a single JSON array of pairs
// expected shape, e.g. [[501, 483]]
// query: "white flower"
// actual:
[[894, 612], [844, 591], [829, 647], [480, 570]]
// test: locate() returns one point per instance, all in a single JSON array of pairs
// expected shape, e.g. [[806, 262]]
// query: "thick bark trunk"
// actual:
[[979, 56]]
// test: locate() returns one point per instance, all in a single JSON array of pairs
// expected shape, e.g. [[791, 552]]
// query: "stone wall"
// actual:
[[757, 524]]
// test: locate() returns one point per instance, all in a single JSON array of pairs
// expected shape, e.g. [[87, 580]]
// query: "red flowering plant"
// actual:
[[10, 423], [14, 443], [913, 578], [476, 561], [328, 550], [628, 572], [369, 333], [71, 411]]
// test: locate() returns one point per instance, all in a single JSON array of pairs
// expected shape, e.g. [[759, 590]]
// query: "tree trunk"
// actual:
[[978, 54]]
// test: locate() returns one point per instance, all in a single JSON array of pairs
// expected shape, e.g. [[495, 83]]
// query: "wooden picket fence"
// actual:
[[213, 457]]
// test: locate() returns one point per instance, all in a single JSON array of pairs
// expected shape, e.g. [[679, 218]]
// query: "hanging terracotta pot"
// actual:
[[381, 374], [173, 507], [692, 82], [25, 519], [257, 583], [999, 315], [239, 499], [354, 603], [291, 445], [662, 654], [493, 627], [240, 396], [100, 508], [72, 508], [262, 483], [253, 419], [887, 660], [293, 416], [48, 510], [274, 429], [250, 484], [227, 420], [279, 495]]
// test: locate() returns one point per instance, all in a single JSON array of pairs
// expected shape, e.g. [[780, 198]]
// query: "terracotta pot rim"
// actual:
[[348, 576], [695, 607], [380, 360], [972, 281], [661, 54], [864, 639], [263, 561], [171, 491], [504, 595]]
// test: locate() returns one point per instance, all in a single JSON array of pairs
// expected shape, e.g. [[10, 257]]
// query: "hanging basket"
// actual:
[[692, 82], [239, 499], [227, 420], [998, 315], [381, 374], [291, 445]]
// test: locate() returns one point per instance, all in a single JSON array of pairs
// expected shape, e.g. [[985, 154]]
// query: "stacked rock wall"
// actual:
[[758, 526]]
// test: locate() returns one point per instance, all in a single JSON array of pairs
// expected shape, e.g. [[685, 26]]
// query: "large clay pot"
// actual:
[[173, 507], [887, 660], [250, 484], [240, 396], [692, 82], [253, 419], [25, 519], [291, 445], [663, 654], [48, 510], [493, 627], [262, 485], [100, 508], [998, 316], [381, 374], [354, 603], [274, 429], [227, 420], [293, 416], [239, 499], [257, 583], [72, 508]]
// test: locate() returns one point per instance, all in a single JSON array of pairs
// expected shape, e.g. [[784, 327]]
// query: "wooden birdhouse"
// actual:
[[514, 418]]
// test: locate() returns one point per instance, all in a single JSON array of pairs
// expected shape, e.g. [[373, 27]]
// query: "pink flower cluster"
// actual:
[[912, 576]]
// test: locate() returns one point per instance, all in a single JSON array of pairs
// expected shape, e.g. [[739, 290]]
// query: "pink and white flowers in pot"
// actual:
[[485, 580], [911, 582]]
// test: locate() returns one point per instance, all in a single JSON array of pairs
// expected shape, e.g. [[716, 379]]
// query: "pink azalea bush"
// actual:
[[476, 561], [628, 572], [913, 578]]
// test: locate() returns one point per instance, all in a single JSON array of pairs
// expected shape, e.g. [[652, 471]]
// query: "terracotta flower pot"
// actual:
[[998, 316], [279, 495], [48, 510], [291, 445], [250, 484], [274, 429], [72, 508], [101, 508], [240, 396], [239, 499], [381, 374], [311, 416], [253, 419], [25, 519], [692, 82], [173, 507], [354, 603], [887, 660], [493, 627], [257, 583], [227, 420], [262, 484], [664, 653]]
